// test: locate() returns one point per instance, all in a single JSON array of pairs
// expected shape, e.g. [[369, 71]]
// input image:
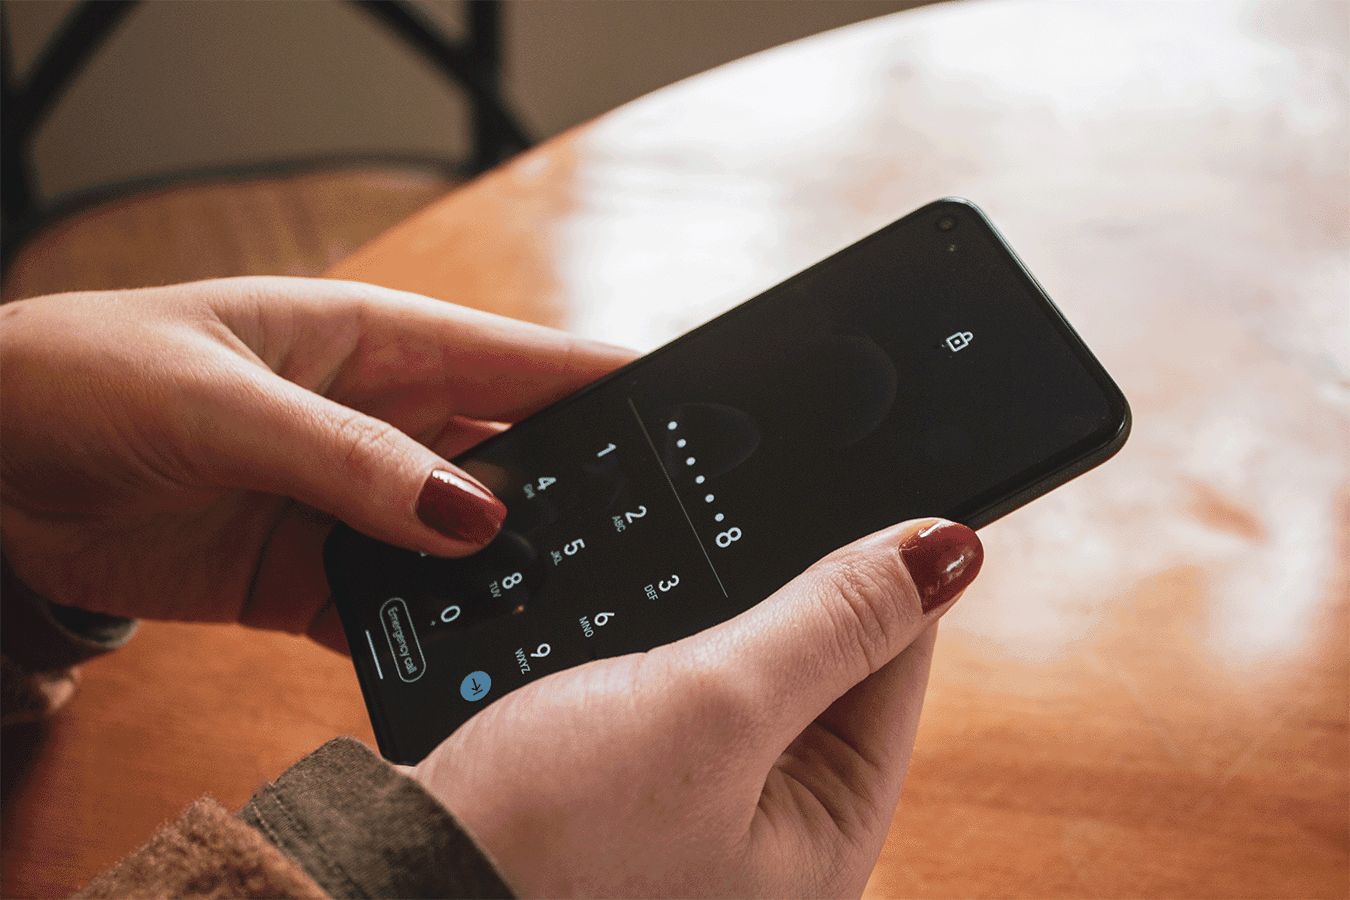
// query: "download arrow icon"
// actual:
[[475, 686]]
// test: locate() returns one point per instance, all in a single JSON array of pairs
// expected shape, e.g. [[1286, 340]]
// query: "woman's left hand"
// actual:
[[181, 452]]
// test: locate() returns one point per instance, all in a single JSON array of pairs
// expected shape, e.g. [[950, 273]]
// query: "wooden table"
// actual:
[[1146, 693]]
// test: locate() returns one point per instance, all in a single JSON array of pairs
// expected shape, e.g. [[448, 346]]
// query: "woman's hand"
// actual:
[[181, 452], [764, 756]]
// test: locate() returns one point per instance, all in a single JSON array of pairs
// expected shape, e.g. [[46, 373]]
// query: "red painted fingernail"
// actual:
[[460, 508], [943, 559]]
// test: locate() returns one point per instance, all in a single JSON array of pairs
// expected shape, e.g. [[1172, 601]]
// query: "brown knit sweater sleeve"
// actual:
[[361, 829], [205, 852], [339, 823]]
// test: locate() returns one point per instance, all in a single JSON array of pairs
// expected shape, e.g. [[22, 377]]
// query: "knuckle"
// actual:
[[364, 444], [864, 600]]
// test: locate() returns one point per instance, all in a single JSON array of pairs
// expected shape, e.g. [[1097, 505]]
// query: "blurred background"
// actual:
[[224, 83]]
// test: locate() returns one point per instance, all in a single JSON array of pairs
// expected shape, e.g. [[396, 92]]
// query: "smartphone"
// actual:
[[919, 372]]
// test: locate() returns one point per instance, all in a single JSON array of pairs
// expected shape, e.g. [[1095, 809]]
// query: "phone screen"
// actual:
[[919, 372]]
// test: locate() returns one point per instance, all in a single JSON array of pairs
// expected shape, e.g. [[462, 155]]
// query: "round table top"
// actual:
[[1147, 691]]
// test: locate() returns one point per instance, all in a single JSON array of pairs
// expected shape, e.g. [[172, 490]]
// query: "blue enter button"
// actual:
[[475, 686]]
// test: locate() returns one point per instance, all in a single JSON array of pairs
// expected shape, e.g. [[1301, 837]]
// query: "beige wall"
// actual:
[[222, 82]]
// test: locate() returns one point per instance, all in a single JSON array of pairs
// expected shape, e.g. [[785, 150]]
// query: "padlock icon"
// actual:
[[959, 341]]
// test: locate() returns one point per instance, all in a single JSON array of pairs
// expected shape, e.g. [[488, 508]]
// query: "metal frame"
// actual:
[[474, 63]]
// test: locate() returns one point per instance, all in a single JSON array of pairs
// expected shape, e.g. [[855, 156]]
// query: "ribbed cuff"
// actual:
[[42, 636], [361, 829]]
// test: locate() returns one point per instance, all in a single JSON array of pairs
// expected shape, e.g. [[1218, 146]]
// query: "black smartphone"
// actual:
[[920, 372]]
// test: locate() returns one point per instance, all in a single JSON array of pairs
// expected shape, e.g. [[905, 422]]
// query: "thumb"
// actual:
[[295, 443], [843, 619]]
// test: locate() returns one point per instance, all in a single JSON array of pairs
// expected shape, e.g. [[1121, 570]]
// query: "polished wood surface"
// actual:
[[1147, 691], [287, 223]]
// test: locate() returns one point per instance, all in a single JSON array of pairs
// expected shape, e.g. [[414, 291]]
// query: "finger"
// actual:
[[289, 591], [326, 629], [389, 342], [878, 719], [270, 435], [798, 652], [460, 435], [853, 759]]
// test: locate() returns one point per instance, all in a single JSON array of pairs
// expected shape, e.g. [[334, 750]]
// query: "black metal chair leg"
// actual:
[[474, 63]]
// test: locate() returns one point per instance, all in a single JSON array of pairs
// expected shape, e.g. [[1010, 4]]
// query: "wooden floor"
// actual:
[[1147, 691]]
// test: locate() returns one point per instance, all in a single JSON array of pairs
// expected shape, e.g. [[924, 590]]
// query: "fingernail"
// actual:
[[460, 508], [943, 559]]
